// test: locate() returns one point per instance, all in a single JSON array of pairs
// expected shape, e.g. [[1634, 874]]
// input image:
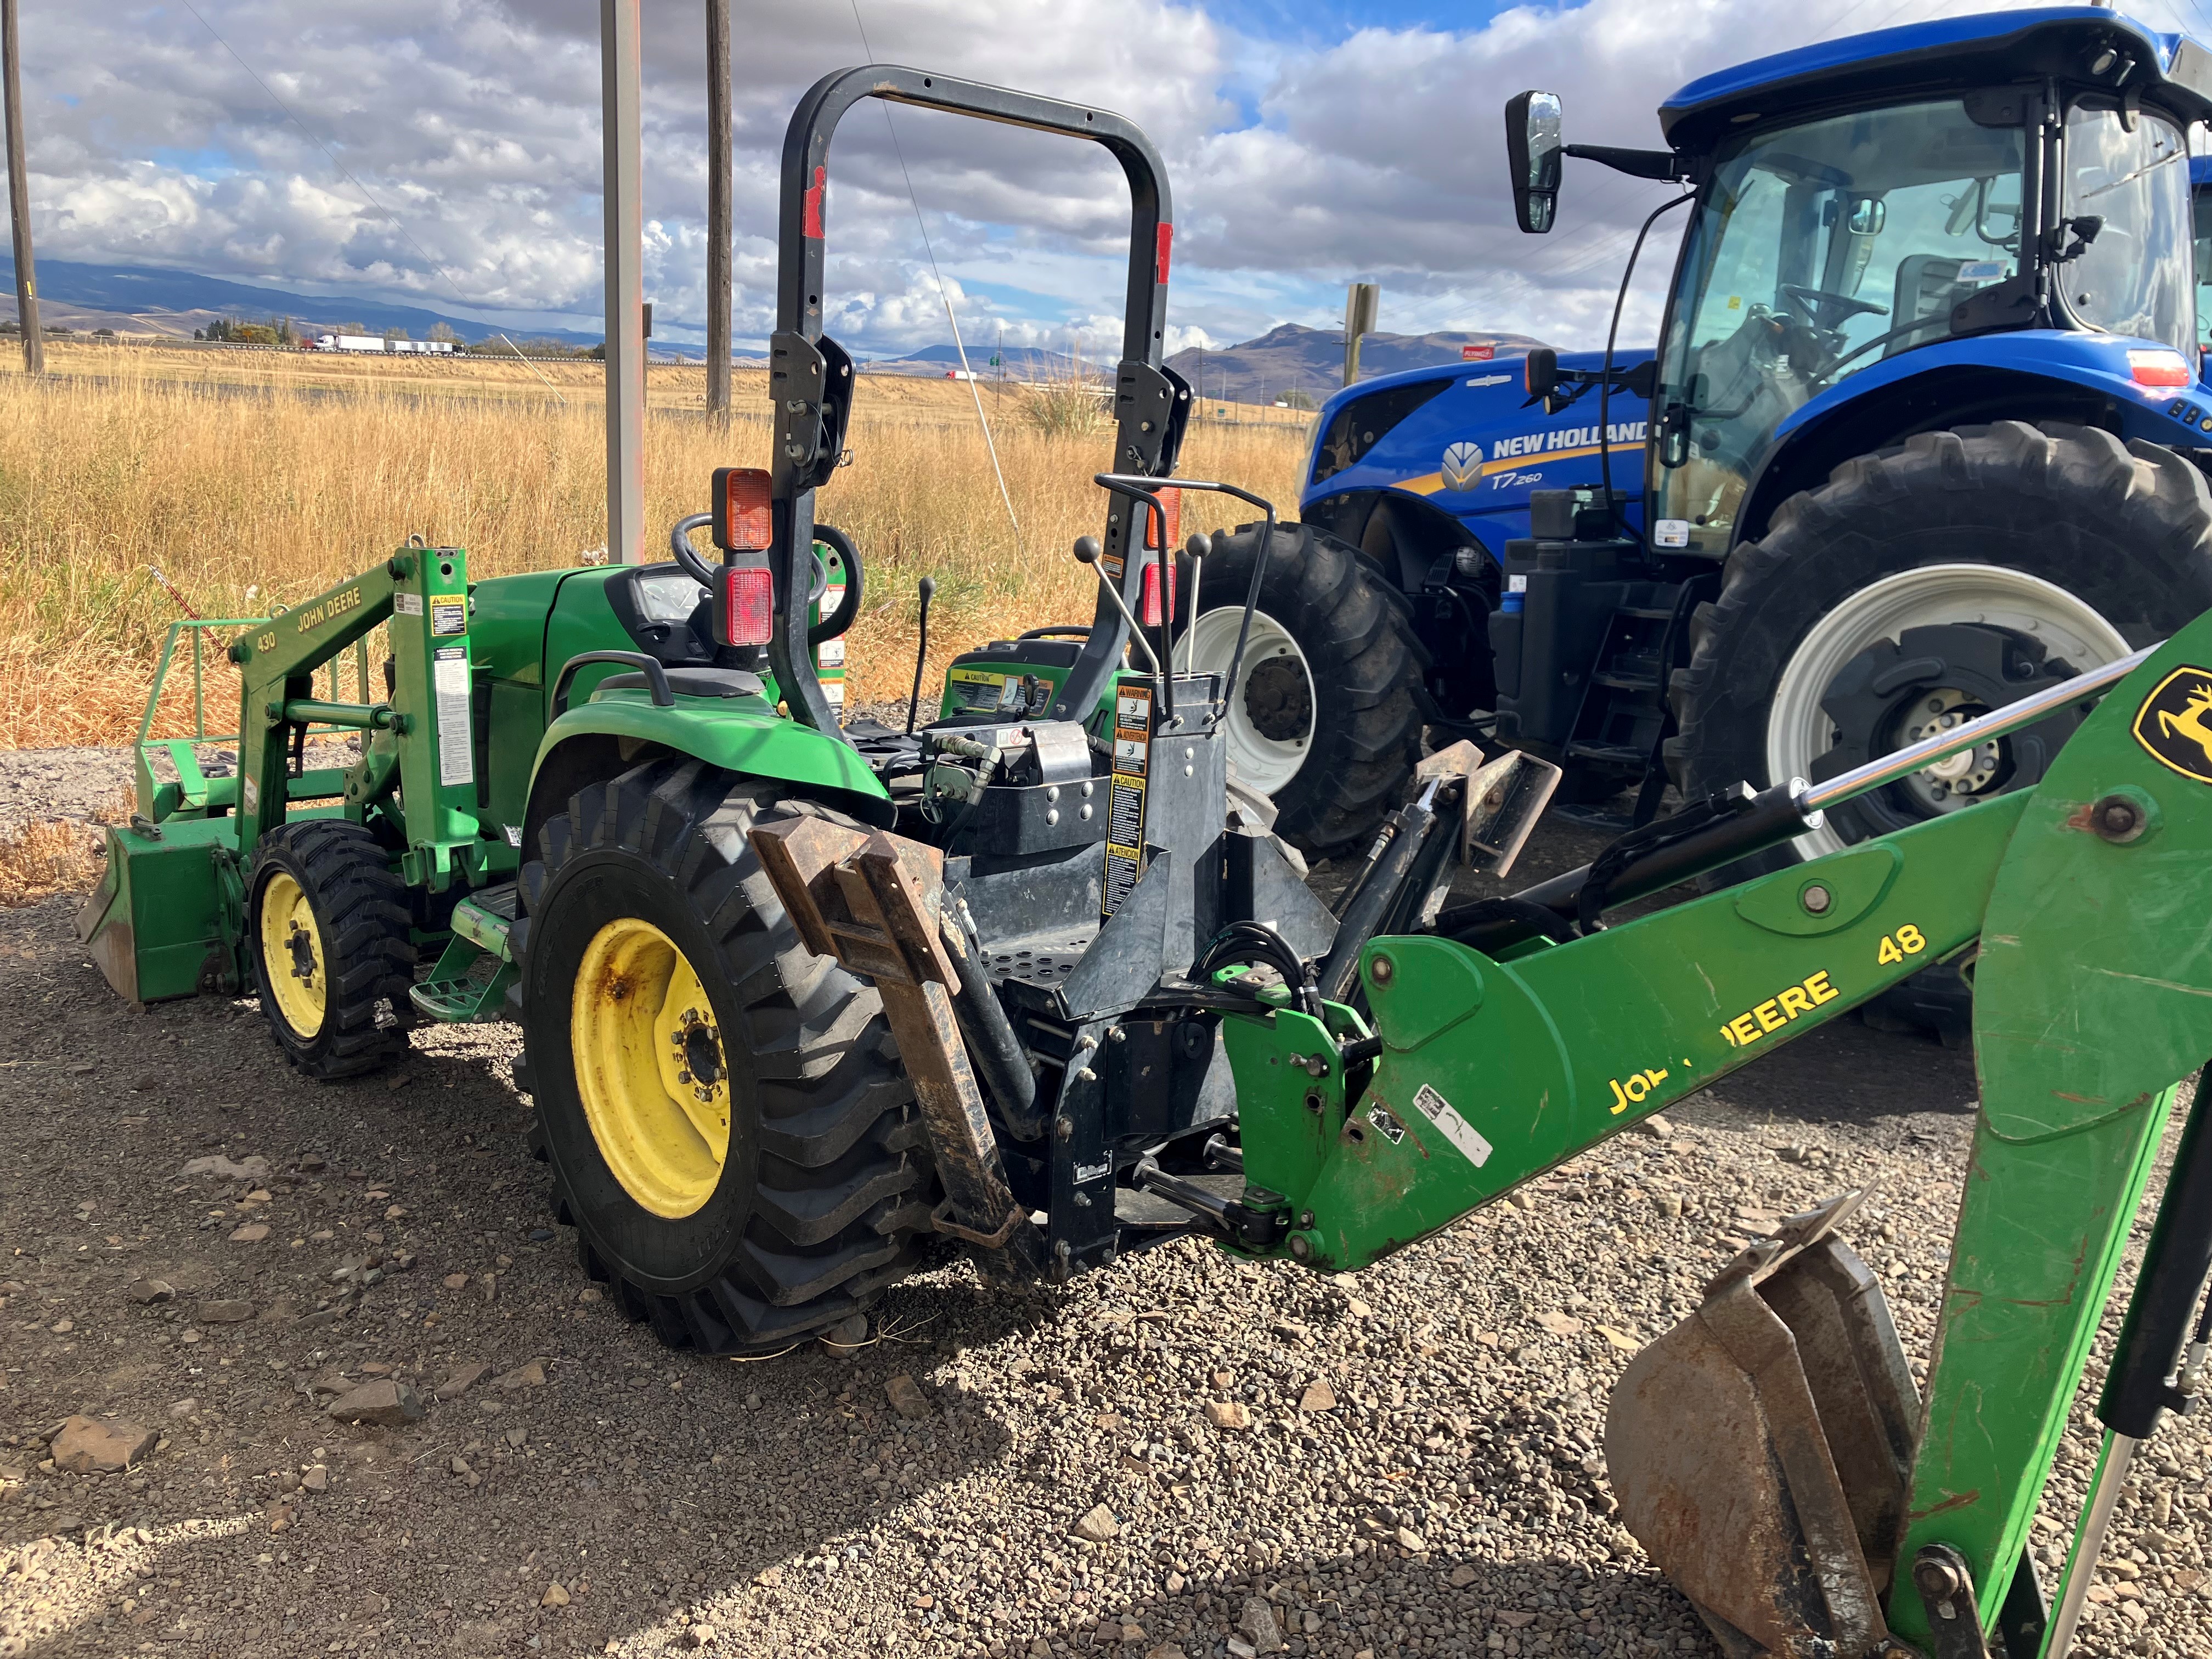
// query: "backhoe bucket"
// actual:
[[1762, 1449]]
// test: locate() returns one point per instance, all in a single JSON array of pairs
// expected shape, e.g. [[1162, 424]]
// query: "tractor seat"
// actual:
[[1928, 287], [693, 682]]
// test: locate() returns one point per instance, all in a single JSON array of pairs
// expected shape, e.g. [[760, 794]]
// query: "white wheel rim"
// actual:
[[1799, 730], [1262, 763]]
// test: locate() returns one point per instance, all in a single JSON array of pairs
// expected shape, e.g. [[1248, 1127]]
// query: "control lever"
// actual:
[[1087, 550], [1128, 483], [925, 591]]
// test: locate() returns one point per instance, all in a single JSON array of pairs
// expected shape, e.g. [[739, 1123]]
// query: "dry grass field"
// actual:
[[254, 479]]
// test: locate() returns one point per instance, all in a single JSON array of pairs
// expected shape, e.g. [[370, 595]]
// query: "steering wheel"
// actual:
[[849, 608], [1823, 309]]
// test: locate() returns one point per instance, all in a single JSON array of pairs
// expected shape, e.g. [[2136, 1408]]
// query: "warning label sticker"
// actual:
[[449, 616], [1457, 1130], [449, 676], [1125, 803]]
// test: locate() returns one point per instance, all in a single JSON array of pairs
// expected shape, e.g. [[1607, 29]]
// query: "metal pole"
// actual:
[[1360, 302], [619, 72], [719, 222], [19, 195]]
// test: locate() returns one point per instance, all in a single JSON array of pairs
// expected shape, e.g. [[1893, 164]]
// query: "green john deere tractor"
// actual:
[[1040, 981]]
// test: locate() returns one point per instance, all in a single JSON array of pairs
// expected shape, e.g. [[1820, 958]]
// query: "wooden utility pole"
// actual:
[[1360, 304], [719, 212], [624, 187], [19, 195]]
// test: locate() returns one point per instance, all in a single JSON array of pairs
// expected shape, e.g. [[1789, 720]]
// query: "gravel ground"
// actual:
[[1410, 1471]]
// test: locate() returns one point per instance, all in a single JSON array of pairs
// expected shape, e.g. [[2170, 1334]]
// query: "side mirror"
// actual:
[[1533, 150], [1540, 371]]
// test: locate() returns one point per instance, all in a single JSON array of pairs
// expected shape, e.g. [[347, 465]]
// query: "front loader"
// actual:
[[1040, 980]]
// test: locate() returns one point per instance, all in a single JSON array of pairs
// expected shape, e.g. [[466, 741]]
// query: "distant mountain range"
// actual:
[[149, 299], [1022, 363], [1290, 358], [146, 299], [1311, 360]]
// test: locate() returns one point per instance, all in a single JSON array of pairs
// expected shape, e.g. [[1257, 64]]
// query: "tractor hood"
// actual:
[[1984, 49]]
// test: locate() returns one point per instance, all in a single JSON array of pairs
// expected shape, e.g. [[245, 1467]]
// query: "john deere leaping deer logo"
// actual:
[[2175, 723]]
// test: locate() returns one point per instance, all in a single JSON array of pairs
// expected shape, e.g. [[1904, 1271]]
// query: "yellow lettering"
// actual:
[[1620, 1101], [1819, 988], [1908, 937], [1637, 1088], [1769, 1018], [1655, 1078], [1744, 1030], [1888, 952], [1795, 1002]]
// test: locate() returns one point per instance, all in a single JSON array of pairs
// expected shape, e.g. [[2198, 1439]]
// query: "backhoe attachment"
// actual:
[[1762, 1449]]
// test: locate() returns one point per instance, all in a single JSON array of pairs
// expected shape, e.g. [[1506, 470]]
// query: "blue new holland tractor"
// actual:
[[1925, 433]]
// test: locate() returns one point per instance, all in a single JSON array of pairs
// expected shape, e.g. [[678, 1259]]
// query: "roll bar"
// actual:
[[811, 376]]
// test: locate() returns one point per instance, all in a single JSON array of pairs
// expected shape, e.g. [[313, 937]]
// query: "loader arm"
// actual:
[[421, 739], [2083, 904]]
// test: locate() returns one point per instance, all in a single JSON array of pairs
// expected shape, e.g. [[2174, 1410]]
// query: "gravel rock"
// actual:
[[907, 1398], [1318, 1396], [387, 1401], [1228, 1414], [86, 1447], [147, 1292], [554, 1596], [532, 1376], [1257, 1621], [222, 1169], [223, 1313], [460, 1380], [1097, 1526]]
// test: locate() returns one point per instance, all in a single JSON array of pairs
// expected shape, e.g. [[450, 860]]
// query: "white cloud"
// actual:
[[476, 121]]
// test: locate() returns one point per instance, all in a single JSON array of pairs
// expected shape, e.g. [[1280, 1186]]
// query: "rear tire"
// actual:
[[326, 922], [2092, 546], [1325, 719], [824, 1182]]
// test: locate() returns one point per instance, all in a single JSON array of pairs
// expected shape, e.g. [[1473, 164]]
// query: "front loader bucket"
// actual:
[[1761, 1450]]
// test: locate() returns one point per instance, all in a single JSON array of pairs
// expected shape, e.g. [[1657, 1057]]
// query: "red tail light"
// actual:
[[1148, 605], [1170, 499], [748, 604], [743, 520], [2158, 369]]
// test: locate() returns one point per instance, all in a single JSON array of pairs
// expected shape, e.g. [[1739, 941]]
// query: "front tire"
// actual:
[[1955, 573], [1325, 718], [327, 923], [723, 1112]]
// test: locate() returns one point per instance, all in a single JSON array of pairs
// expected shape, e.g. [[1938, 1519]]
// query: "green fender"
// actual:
[[744, 735]]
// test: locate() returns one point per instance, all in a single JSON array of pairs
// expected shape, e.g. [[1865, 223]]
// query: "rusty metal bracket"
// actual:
[[940, 1219], [1946, 1585], [875, 902], [1501, 804]]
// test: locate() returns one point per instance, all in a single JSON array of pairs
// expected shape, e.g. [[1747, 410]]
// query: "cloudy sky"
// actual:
[[447, 153]]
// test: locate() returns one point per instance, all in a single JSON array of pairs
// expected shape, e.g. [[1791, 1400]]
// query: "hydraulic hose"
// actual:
[[991, 1045], [2160, 1354]]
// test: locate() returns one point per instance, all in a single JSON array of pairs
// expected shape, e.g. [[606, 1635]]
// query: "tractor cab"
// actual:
[[1860, 201]]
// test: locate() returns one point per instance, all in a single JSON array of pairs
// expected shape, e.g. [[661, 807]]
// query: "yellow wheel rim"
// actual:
[[649, 1068], [292, 949]]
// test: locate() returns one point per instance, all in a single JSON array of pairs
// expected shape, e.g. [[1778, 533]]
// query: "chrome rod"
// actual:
[[2089, 1542], [1903, 762]]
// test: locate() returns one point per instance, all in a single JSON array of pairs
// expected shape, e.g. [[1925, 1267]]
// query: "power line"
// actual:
[[943, 293], [346, 172]]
